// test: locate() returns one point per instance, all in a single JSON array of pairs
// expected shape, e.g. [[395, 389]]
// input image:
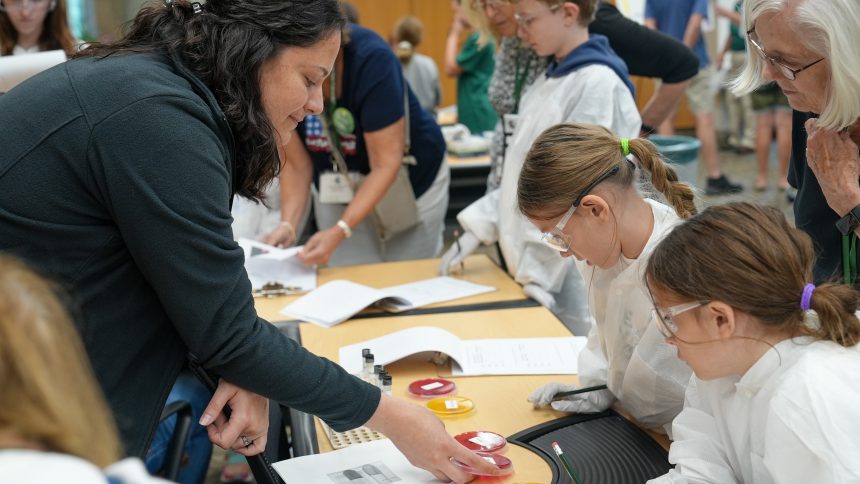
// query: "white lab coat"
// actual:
[[37, 467], [794, 417], [625, 349], [591, 94]]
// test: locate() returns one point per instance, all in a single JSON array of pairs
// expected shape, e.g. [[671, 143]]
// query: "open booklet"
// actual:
[[268, 264], [337, 301], [512, 356]]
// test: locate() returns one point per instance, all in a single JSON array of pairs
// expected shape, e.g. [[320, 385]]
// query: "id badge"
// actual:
[[334, 188], [509, 125]]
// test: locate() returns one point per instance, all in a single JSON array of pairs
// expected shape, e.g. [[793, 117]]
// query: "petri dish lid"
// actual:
[[482, 441], [500, 461], [432, 387], [451, 405]]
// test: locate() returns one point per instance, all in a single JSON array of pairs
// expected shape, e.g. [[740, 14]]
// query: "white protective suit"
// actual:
[[592, 94], [625, 349], [791, 421]]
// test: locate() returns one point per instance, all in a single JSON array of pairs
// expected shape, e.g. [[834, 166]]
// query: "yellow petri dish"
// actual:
[[451, 405]]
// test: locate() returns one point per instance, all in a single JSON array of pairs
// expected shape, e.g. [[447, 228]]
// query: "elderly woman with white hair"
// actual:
[[811, 48]]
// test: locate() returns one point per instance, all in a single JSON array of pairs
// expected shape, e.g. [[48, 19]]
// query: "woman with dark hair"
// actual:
[[28, 26], [116, 176]]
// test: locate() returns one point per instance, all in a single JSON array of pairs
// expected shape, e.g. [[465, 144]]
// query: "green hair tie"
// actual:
[[625, 146]]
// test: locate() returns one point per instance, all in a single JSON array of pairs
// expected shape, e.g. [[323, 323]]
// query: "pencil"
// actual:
[[559, 395], [459, 249], [565, 463]]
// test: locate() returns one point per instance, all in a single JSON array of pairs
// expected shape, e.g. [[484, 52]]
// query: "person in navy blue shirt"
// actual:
[[369, 86], [682, 19]]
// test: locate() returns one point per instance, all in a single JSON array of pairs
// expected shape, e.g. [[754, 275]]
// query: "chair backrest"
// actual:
[[173, 459]]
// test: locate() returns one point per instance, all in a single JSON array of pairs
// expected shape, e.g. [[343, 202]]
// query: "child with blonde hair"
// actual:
[[54, 423], [579, 188]]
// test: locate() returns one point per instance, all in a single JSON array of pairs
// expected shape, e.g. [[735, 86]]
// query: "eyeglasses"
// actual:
[[665, 319], [556, 238], [787, 72], [526, 22], [18, 5]]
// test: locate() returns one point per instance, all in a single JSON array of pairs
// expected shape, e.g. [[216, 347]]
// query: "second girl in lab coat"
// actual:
[[776, 393], [585, 81], [578, 187]]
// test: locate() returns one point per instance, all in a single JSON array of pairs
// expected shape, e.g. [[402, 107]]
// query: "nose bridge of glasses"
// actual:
[[784, 70]]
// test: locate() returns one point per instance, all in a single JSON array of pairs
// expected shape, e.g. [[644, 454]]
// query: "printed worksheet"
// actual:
[[368, 463], [268, 264], [508, 356]]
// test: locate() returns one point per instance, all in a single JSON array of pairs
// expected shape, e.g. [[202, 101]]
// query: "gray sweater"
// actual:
[[115, 180]]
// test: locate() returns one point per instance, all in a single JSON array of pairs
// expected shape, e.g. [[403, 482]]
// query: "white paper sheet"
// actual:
[[513, 356], [15, 69], [432, 291], [526, 356], [337, 301], [266, 263], [369, 463]]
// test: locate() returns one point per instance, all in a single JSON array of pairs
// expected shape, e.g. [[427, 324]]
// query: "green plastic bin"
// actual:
[[683, 153]]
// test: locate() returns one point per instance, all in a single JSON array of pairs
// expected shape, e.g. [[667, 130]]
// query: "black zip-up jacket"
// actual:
[[115, 179]]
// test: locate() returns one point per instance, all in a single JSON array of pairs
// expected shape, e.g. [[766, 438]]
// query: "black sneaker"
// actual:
[[722, 186]]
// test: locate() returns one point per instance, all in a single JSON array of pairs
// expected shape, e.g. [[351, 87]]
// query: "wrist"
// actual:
[[345, 229], [851, 203], [291, 231], [850, 221]]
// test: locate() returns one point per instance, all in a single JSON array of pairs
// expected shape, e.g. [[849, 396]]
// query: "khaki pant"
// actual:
[[741, 116]]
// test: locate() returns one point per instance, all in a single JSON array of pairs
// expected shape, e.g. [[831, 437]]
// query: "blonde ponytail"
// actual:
[[664, 178]]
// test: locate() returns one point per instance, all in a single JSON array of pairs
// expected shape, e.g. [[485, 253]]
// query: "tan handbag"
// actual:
[[397, 211]]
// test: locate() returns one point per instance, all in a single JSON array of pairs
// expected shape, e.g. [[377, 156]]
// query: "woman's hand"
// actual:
[[283, 236], [321, 246], [422, 438], [834, 160], [247, 428]]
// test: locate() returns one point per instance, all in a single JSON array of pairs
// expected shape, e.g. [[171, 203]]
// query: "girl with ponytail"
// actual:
[[577, 186], [776, 392]]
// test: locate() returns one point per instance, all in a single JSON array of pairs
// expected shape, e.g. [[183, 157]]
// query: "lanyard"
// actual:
[[328, 112], [849, 258], [332, 91], [520, 77]]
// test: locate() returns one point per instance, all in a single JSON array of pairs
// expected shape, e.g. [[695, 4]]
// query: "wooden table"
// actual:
[[500, 401], [459, 162], [479, 269]]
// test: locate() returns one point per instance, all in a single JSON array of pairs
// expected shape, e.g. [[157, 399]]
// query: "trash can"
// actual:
[[683, 153]]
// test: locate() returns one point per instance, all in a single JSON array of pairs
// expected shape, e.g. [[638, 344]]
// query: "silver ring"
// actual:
[[245, 440]]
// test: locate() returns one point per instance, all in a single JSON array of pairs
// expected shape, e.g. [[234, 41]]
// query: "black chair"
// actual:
[[173, 457]]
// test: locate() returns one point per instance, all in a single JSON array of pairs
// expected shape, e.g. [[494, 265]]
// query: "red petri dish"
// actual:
[[503, 463], [482, 441], [432, 388]]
